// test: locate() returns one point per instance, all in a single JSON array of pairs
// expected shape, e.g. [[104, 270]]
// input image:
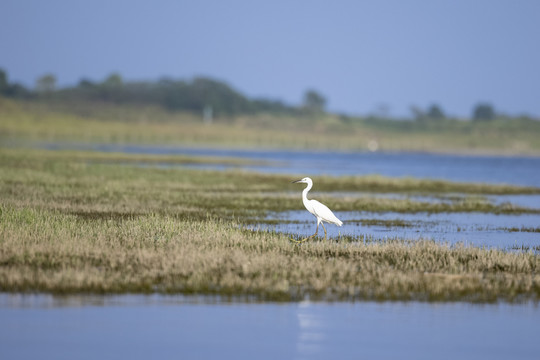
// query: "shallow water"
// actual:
[[179, 327], [517, 170], [527, 201], [478, 229], [531, 201]]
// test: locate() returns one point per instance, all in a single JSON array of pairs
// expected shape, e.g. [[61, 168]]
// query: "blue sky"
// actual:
[[360, 54]]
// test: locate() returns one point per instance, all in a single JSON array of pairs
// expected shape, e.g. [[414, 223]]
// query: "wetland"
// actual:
[[146, 233], [77, 221]]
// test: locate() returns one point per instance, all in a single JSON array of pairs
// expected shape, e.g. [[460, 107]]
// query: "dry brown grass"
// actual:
[[70, 225], [50, 251]]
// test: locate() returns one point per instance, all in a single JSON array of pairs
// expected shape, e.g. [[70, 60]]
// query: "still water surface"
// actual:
[[177, 327], [518, 170], [478, 229]]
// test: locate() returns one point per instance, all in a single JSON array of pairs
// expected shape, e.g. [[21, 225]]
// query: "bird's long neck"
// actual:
[[304, 193]]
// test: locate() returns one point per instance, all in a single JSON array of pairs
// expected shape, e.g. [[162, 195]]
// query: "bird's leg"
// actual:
[[309, 237], [324, 230]]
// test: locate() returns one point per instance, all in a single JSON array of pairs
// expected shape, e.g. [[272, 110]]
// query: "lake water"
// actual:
[[178, 327], [520, 170]]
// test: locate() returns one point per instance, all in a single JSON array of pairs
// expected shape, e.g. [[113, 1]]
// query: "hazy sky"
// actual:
[[359, 54]]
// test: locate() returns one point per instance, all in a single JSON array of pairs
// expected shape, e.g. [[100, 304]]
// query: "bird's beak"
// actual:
[[296, 181]]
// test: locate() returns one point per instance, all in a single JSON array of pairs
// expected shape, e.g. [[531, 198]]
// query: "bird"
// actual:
[[319, 210]]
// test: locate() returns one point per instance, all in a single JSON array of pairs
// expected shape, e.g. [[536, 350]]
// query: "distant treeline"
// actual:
[[195, 95], [199, 95]]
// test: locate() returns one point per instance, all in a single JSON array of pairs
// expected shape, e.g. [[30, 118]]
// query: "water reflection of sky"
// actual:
[[168, 326], [528, 201], [531, 201], [517, 170], [479, 229]]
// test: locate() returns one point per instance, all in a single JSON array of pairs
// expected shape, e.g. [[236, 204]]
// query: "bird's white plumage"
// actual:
[[318, 209], [324, 213]]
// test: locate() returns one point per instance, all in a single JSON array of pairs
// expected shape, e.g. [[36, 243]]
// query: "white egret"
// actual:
[[319, 210]]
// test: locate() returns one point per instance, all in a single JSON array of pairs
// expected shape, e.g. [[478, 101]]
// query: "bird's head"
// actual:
[[305, 180]]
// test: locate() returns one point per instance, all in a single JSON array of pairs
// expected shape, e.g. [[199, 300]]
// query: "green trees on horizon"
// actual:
[[11, 90], [314, 102], [433, 112], [46, 83], [195, 95], [483, 112]]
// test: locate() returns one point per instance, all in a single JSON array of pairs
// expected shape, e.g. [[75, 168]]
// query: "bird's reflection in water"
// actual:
[[311, 332]]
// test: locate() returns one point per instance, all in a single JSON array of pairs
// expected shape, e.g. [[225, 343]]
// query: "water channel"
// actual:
[[180, 327]]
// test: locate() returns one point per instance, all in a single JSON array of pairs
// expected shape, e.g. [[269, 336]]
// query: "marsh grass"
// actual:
[[43, 250], [71, 225], [100, 157], [521, 229], [83, 183], [526, 248]]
